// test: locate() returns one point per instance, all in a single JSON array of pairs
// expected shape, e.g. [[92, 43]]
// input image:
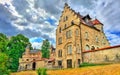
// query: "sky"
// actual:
[[38, 19]]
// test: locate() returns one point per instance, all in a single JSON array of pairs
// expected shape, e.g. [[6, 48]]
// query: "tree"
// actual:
[[3, 64], [3, 42], [15, 49], [45, 49]]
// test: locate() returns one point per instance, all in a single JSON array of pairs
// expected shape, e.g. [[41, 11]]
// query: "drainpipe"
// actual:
[[81, 41]]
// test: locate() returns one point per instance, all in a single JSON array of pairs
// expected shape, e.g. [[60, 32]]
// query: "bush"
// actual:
[[42, 71], [85, 64]]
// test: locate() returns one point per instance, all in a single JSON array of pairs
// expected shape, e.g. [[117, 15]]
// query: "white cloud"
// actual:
[[113, 38], [31, 15], [36, 45]]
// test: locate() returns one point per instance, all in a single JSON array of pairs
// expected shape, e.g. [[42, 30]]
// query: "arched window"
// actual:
[[92, 48], [77, 32], [87, 47], [86, 35]]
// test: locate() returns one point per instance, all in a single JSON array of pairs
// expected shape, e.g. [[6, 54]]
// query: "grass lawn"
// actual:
[[113, 69]]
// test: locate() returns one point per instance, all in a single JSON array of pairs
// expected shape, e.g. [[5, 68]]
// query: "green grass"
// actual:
[[85, 64]]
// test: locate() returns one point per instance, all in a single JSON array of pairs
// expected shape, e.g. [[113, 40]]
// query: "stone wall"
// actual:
[[108, 54]]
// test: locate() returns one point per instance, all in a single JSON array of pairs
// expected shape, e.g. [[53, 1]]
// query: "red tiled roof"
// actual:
[[102, 49], [96, 21]]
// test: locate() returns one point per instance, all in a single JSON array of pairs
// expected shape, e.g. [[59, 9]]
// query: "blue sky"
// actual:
[[38, 19]]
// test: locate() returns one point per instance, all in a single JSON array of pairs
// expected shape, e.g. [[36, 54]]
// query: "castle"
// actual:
[[32, 59], [81, 39]]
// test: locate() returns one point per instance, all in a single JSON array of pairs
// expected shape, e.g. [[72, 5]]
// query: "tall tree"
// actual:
[[45, 49], [3, 42], [15, 48]]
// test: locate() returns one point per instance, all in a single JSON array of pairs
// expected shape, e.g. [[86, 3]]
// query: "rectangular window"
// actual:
[[86, 35], [96, 39], [60, 53], [69, 34], [77, 32], [69, 48], [60, 40], [69, 63]]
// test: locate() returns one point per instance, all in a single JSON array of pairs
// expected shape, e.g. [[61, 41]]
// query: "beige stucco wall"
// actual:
[[40, 64], [99, 56]]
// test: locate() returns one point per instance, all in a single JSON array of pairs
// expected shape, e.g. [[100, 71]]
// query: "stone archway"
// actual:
[[33, 65]]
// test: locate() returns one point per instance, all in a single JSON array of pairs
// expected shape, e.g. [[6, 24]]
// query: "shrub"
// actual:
[[41, 71]]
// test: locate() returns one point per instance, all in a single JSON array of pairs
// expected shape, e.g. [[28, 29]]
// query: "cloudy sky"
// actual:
[[38, 19]]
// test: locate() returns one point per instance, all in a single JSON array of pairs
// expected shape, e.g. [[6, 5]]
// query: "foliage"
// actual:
[[39, 71], [85, 64], [3, 42], [45, 49], [42, 71], [3, 64], [15, 48]]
